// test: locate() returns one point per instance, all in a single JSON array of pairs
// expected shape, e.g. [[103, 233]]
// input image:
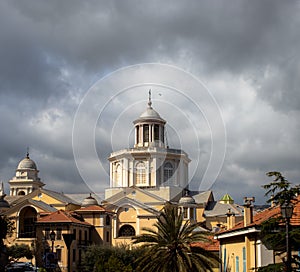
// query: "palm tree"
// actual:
[[170, 247]]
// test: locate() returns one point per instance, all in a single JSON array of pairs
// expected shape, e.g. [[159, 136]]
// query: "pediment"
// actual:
[[40, 206], [125, 201], [136, 193]]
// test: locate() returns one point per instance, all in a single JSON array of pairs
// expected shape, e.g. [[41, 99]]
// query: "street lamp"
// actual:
[[52, 238], [287, 212]]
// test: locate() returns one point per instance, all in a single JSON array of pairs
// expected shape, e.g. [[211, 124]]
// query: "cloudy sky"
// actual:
[[245, 54]]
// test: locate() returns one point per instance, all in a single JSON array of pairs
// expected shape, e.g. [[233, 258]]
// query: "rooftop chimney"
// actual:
[[248, 210], [230, 219]]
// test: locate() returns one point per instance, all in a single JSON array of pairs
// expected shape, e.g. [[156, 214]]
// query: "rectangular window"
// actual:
[[47, 233], [244, 259], [225, 263], [80, 236], [79, 256], [192, 213], [58, 254], [29, 230], [107, 220], [74, 233], [107, 236], [185, 212], [140, 173], [74, 255], [85, 235], [237, 264], [58, 234]]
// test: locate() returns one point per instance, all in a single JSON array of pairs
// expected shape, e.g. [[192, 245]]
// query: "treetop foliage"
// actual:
[[280, 190]]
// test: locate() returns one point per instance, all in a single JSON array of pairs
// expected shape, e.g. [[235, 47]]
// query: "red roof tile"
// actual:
[[214, 245], [62, 217], [271, 212]]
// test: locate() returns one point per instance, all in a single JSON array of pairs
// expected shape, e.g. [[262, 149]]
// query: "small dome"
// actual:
[[150, 113], [89, 201], [27, 163], [187, 199]]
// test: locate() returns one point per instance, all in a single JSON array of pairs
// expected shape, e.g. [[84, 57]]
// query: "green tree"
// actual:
[[280, 190], [170, 247], [18, 251], [100, 258], [6, 230], [273, 236]]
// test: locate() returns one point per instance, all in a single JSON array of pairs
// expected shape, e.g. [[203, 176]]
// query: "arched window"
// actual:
[[119, 175], [126, 231], [140, 173], [27, 219], [21, 193], [168, 172]]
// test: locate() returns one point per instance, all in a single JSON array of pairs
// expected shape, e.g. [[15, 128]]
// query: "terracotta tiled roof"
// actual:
[[214, 245], [62, 217], [271, 212]]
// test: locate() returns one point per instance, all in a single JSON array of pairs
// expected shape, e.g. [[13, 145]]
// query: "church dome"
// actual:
[[27, 163], [187, 199], [150, 114], [89, 201]]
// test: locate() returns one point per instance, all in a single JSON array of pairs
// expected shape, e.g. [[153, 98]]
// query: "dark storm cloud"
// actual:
[[52, 51]]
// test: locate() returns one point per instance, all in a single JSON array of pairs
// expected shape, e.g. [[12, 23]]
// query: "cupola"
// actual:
[[89, 201], [226, 199], [26, 179], [187, 199], [27, 163], [149, 128]]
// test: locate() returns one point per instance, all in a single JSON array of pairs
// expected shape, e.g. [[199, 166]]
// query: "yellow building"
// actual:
[[241, 247]]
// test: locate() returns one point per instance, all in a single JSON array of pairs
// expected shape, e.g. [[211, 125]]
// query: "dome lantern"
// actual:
[[149, 128]]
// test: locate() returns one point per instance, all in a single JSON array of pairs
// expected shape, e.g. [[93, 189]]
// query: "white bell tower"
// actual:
[[26, 179]]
